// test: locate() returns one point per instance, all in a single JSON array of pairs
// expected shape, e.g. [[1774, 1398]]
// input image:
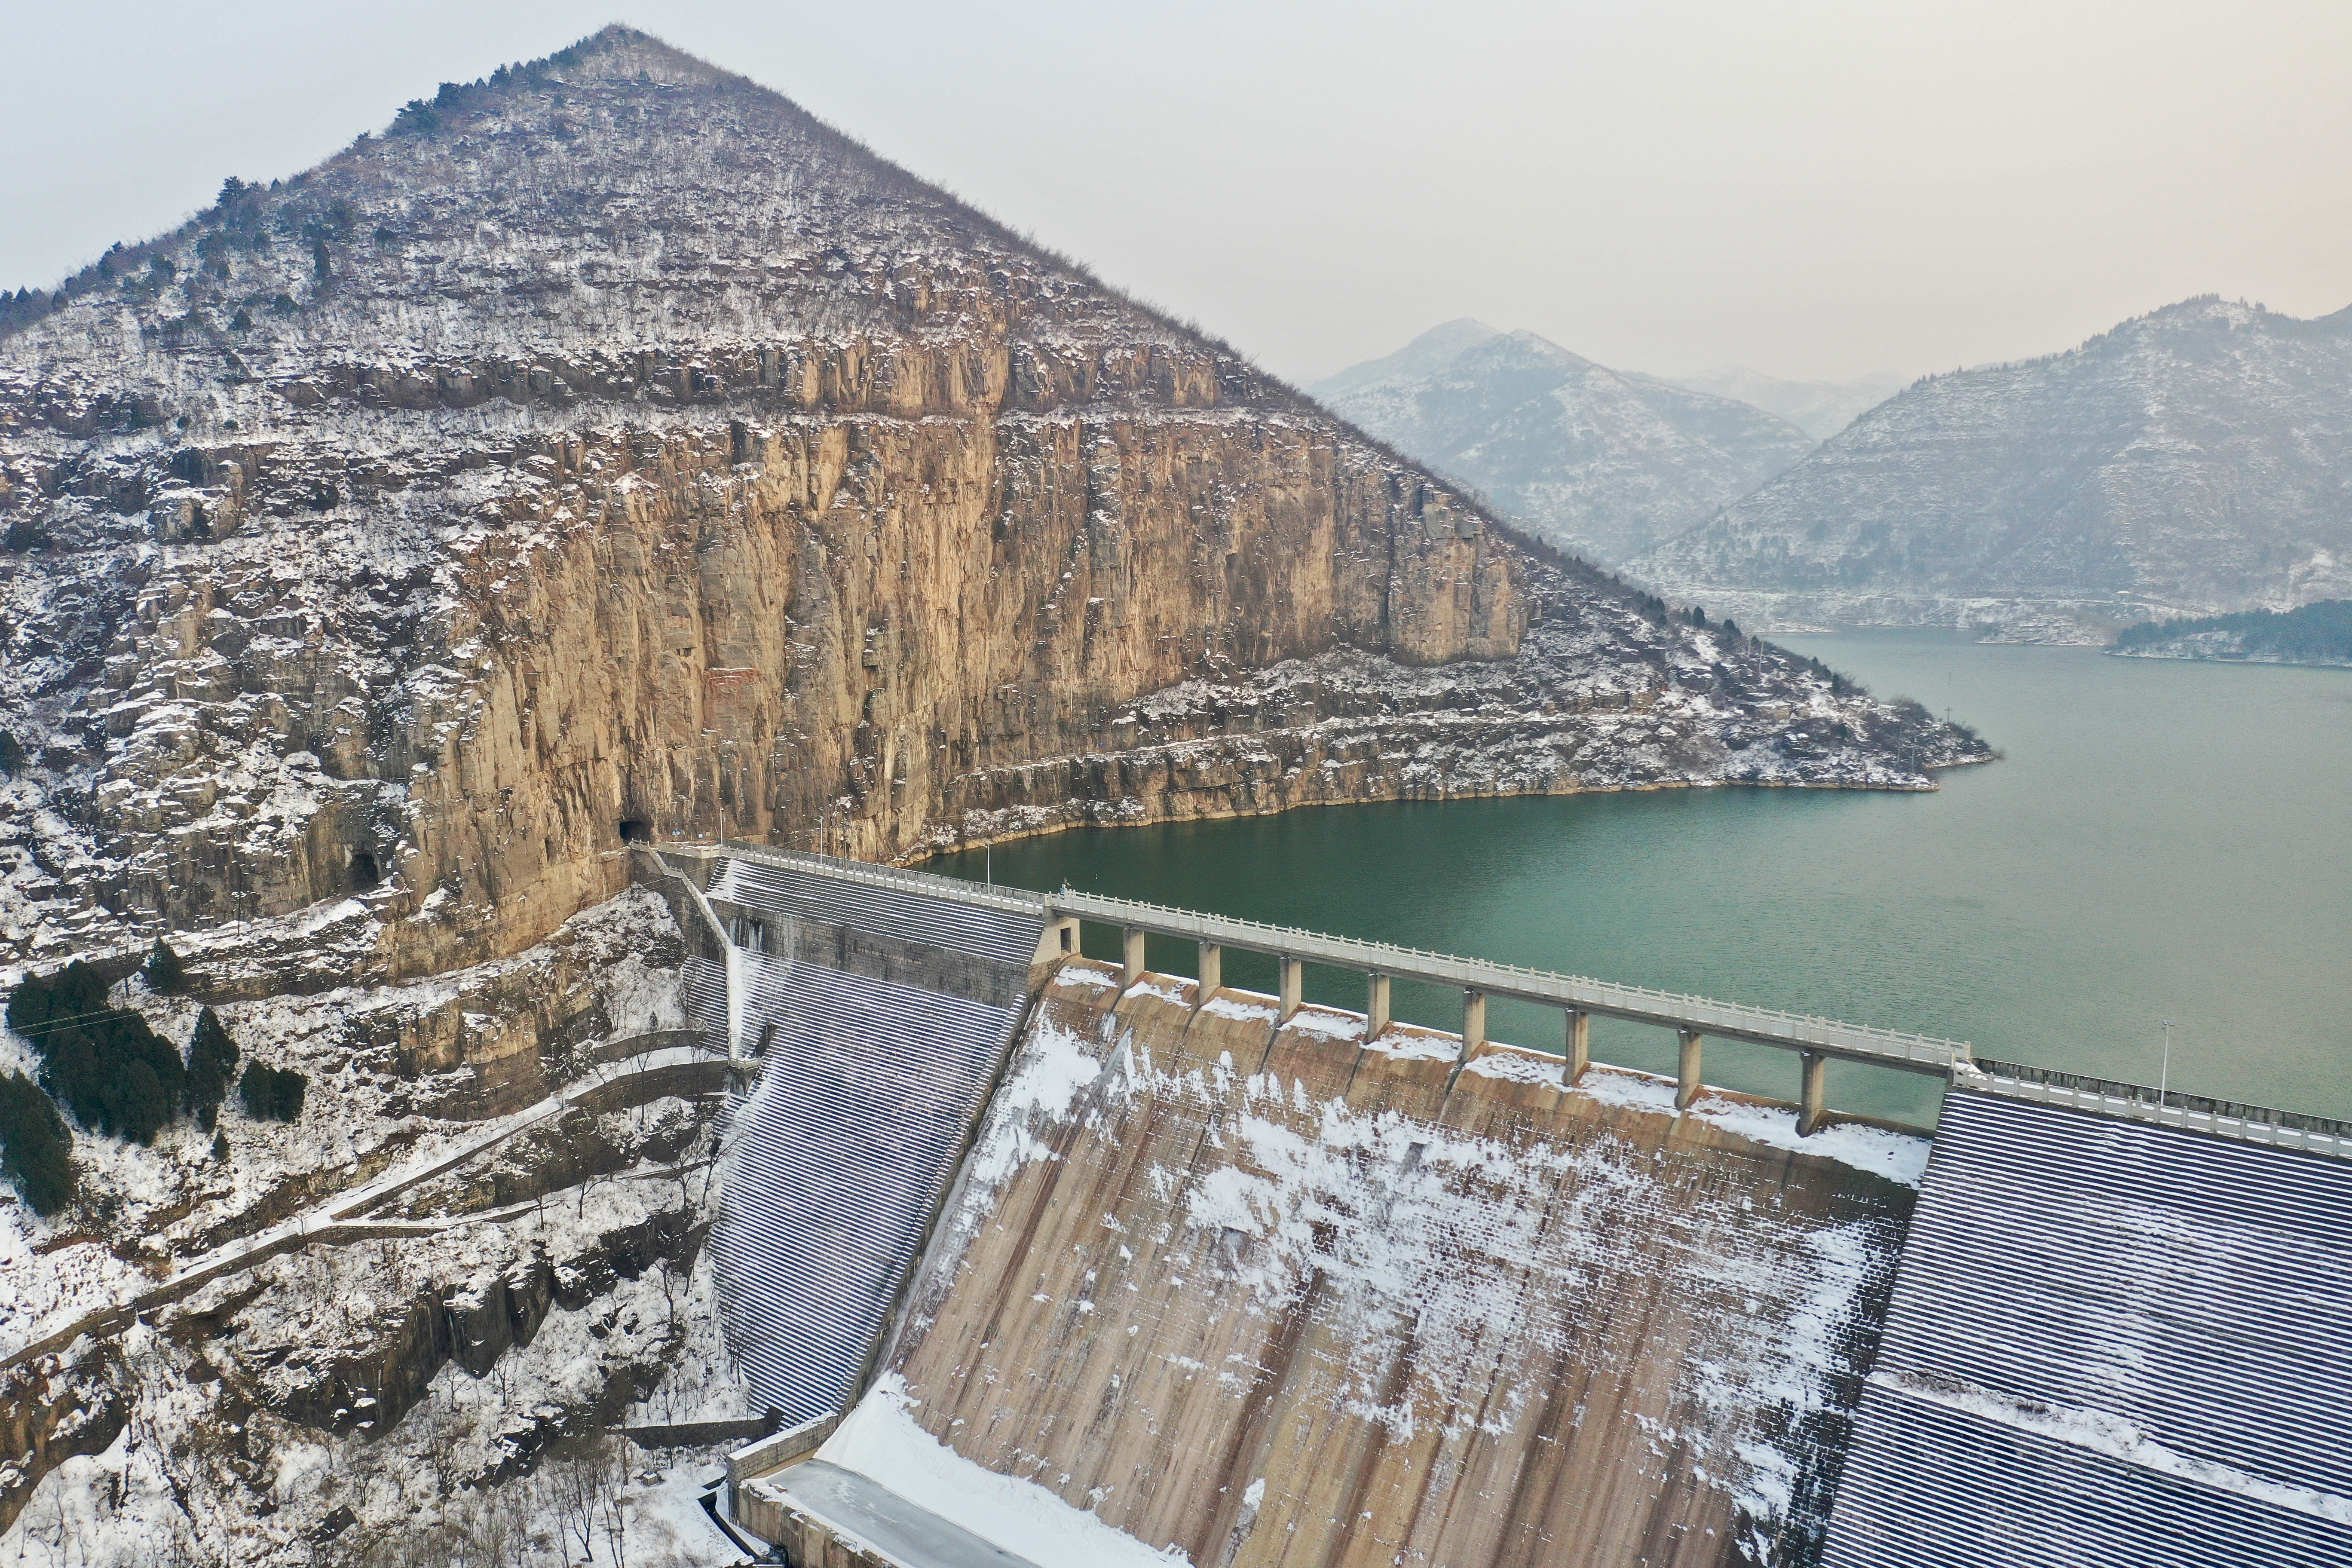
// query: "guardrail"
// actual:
[[1815, 1037], [1012, 900], [1636, 1004], [2142, 1103]]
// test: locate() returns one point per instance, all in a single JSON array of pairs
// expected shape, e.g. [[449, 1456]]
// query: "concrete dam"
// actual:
[[1053, 1260]]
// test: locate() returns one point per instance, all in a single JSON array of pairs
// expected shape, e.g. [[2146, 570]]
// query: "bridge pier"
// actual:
[[1212, 972], [1813, 1097], [1687, 1084], [1376, 1007], [1580, 1045], [1473, 1022], [1131, 967], [1294, 986]]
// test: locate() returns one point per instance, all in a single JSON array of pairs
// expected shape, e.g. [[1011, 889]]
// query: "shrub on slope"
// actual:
[[35, 1149], [104, 1064]]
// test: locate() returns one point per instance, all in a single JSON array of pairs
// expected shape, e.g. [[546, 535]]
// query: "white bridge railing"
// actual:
[[1635, 1003], [1816, 1039]]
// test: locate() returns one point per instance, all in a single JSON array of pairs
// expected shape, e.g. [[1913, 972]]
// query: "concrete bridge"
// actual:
[[1815, 1042]]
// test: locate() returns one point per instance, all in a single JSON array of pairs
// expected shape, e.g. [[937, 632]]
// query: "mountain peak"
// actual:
[[1430, 351], [1523, 349], [2190, 459], [618, 52], [1602, 462]]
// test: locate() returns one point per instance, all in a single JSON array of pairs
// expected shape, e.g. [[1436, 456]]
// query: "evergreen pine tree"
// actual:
[[34, 1148], [11, 754], [272, 1094], [212, 1067], [164, 971], [102, 1063]]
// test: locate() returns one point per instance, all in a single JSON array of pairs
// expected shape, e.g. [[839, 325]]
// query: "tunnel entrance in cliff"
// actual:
[[634, 831], [364, 876]]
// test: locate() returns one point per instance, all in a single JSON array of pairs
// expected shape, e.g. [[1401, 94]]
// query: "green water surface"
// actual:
[[2162, 840]]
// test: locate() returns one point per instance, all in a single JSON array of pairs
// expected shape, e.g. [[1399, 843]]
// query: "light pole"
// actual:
[[2163, 1073]]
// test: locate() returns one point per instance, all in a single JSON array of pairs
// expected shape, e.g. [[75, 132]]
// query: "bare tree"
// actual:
[[614, 1499], [575, 1478]]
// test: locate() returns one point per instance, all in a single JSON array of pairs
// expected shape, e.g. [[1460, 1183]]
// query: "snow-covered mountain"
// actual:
[[608, 447], [1820, 409], [1602, 462], [2196, 460]]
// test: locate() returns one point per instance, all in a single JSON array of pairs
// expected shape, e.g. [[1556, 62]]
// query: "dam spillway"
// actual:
[[874, 1017], [1259, 1283], [2111, 1342]]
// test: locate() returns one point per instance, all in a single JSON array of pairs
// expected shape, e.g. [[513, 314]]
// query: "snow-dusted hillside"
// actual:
[[1604, 463], [442, 1276], [608, 447], [2196, 460]]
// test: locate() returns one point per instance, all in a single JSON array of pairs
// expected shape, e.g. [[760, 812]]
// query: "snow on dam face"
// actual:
[[1274, 1296]]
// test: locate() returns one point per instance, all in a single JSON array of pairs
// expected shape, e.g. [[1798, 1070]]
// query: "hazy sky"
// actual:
[[1811, 188]]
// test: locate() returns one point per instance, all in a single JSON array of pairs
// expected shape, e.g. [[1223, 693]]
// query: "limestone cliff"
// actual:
[[609, 448]]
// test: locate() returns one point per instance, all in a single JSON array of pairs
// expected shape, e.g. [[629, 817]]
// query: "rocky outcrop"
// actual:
[[435, 1334], [2192, 461], [51, 1411], [1606, 463], [609, 449]]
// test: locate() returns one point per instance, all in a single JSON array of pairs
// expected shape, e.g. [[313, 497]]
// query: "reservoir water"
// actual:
[[2162, 840]]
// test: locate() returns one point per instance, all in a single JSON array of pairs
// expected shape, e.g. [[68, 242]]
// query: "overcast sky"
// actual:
[[1811, 188]]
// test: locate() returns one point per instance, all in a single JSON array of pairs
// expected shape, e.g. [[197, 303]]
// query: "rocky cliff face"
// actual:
[[373, 1335], [1605, 463], [2192, 461], [609, 449]]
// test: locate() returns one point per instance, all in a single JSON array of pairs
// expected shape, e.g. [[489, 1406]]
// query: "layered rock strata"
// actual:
[[609, 449], [374, 1383]]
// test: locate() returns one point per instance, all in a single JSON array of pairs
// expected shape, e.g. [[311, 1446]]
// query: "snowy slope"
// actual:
[[1820, 409], [1602, 462], [2195, 460]]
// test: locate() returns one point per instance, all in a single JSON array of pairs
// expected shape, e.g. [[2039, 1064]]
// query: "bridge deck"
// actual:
[[1600, 998], [1636, 1004]]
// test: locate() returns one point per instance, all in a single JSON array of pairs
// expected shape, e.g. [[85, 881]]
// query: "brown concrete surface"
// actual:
[[1275, 1298]]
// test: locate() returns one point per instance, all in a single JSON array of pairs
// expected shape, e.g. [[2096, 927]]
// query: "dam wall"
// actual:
[[1209, 1276], [866, 1025], [2111, 1342], [1266, 1292]]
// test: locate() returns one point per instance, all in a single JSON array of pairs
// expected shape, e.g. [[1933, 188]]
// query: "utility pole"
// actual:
[[2163, 1073]]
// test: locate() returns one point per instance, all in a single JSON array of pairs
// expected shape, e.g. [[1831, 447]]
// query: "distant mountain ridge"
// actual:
[[1606, 463], [2196, 460], [1820, 409]]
